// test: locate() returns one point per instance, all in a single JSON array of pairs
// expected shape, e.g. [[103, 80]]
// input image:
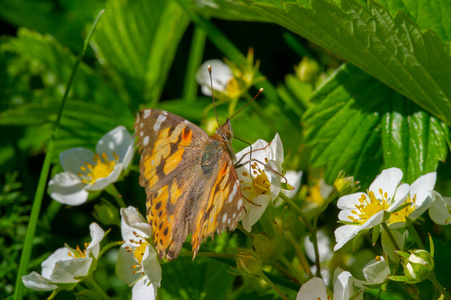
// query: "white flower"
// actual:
[[440, 209], [316, 289], [137, 263], [367, 210], [294, 179], [257, 188], [85, 171], [221, 75], [376, 271], [385, 195], [66, 266]]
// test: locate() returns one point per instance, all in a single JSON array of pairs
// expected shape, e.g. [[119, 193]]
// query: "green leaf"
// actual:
[[394, 51], [229, 10], [434, 15], [137, 40], [358, 121], [203, 279], [82, 123], [38, 56]]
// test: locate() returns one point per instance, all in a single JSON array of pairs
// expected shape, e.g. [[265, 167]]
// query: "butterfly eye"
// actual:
[[227, 135]]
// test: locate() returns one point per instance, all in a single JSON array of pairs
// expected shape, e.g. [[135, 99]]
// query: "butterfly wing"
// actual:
[[171, 152], [220, 204]]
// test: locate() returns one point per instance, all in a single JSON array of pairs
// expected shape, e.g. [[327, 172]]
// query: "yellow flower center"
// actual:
[[400, 216], [260, 184], [138, 249], [369, 207], [314, 195], [77, 252], [101, 168], [233, 88]]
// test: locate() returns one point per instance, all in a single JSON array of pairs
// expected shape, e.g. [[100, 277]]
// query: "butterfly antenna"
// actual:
[[258, 94], [212, 93]]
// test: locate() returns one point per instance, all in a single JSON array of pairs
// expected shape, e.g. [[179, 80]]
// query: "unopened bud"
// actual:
[[419, 266], [248, 262], [345, 185], [307, 70], [106, 213]]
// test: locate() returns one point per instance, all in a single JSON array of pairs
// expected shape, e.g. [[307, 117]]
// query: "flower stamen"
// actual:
[[101, 168]]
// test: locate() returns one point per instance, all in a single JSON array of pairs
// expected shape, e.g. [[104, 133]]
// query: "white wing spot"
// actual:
[[152, 162], [186, 122], [146, 113], [240, 203], [141, 133], [229, 220], [165, 113], [145, 141], [234, 215], [224, 218], [160, 120], [233, 193], [141, 124]]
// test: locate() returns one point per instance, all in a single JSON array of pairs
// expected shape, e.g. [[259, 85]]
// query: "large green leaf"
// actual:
[[138, 40], [395, 51], [358, 121], [40, 58], [82, 123]]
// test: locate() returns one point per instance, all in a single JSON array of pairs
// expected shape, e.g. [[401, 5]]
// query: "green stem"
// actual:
[[437, 284], [310, 228], [208, 254], [271, 284], [195, 58], [293, 272], [108, 246], [390, 236], [53, 294], [37, 202], [111, 189], [301, 256], [92, 284]]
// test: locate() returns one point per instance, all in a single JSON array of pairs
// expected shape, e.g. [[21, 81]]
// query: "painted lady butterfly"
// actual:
[[191, 183]]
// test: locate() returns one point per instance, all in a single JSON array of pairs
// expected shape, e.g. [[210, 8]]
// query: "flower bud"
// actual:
[[345, 185], [248, 262], [106, 213], [307, 70], [268, 249], [418, 266]]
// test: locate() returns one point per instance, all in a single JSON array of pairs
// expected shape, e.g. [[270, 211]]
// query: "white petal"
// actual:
[[439, 209], [343, 286], [277, 150], [376, 271], [97, 234], [49, 264], [71, 160], [206, 90], [131, 221], [102, 183], [255, 211], [344, 234], [125, 262], [325, 252], [312, 290], [344, 215], [120, 141], [388, 181], [400, 197], [37, 282], [324, 189], [274, 172], [66, 271], [220, 74], [350, 201], [294, 179], [67, 188], [143, 290], [422, 189], [374, 220], [258, 153], [151, 266]]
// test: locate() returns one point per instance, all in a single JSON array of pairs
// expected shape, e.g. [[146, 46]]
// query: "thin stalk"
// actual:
[[294, 272], [390, 236], [37, 202], [272, 285], [310, 228], [92, 284], [111, 189], [303, 260], [195, 58], [438, 285]]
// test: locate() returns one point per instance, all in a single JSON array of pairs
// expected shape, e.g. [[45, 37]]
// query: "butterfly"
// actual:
[[190, 180]]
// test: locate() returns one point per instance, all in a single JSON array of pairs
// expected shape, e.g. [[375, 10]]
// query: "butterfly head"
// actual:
[[225, 132]]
